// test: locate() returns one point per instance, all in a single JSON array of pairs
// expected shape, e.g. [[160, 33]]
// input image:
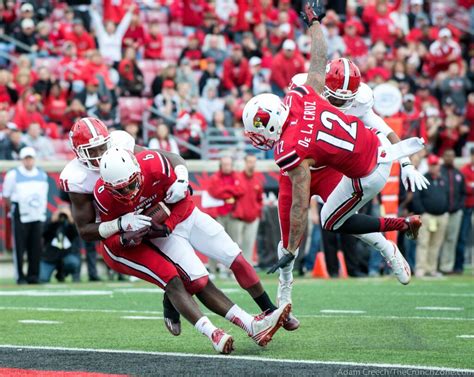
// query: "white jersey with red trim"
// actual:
[[363, 102], [76, 177]]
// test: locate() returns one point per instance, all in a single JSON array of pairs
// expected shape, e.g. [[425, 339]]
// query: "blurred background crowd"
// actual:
[[175, 74]]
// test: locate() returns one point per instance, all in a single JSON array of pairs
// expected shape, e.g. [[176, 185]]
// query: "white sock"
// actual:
[[378, 242], [205, 326], [286, 273], [240, 318]]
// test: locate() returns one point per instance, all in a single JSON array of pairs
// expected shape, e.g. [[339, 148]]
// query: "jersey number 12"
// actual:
[[328, 119]]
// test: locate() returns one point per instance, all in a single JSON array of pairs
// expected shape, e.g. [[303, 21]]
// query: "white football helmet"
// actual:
[[264, 116], [298, 80], [121, 174]]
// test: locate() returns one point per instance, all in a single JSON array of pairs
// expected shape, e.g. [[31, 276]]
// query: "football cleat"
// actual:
[[400, 267], [414, 224], [264, 326], [222, 342], [171, 317], [284, 296]]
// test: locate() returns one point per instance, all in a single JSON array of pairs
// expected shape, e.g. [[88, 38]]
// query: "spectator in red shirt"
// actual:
[[193, 12], [81, 38], [411, 116], [450, 135], [55, 103], [71, 67], [131, 77], [65, 25], [466, 222], [381, 26], [73, 113], [153, 42], [356, 49], [236, 76], [135, 35], [192, 52], [287, 63], [443, 52], [27, 112], [225, 186], [248, 207], [96, 67], [8, 92]]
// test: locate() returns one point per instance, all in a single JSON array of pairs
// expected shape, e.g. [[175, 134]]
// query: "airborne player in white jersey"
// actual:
[[90, 139]]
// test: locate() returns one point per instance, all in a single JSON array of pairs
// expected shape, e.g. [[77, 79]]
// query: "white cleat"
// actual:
[[399, 266], [265, 326], [284, 296], [222, 342]]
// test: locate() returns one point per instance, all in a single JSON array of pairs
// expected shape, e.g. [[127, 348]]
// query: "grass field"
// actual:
[[428, 323]]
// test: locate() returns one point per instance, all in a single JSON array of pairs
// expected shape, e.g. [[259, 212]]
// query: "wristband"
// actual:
[[405, 161], [109, 228], [181, 173]]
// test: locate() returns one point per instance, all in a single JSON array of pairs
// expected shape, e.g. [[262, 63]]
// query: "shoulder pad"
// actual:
[[75, 177], [122, 139], [363, 102]]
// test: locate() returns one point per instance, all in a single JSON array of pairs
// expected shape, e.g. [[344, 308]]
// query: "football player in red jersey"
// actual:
[[90, 139], [129, 184], [314, 139]]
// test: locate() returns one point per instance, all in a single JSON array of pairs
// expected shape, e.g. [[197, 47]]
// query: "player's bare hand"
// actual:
[[313, 10], [284, 261], [133, 221], [177, 191]]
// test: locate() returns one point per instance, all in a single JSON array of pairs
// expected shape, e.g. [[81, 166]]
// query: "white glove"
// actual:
[[412, 178], [177, 191], [133, 221]]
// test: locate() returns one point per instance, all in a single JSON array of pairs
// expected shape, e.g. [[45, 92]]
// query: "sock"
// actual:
[[264, 302], [378, 242], [205, 327], [388, 224], [359, 224], [240, 318], [286, 273]]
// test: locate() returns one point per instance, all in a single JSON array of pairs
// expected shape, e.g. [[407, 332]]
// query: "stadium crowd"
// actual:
[[167, 71]]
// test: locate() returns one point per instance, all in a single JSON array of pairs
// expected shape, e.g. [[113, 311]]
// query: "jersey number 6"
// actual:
[[328, 119]]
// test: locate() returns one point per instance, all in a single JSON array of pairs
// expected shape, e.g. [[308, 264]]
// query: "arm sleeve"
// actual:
[[372, 120], [9, 183], [123, 25]]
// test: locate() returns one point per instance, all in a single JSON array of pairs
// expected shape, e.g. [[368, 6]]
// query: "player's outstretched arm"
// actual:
[[300, 183], [312, 14]]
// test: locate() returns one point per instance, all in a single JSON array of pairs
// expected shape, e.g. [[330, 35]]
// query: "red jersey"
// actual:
[[317, 130], [158, 176]]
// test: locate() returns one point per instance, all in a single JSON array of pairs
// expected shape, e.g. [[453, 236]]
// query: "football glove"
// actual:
[[177, 191], [313, 11], [133, 238], [133, 221], [158, 231], [412, 179], [284, 261]]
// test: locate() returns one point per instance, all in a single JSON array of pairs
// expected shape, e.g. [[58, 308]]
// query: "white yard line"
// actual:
[[48, 293], [465, 336], [336, 311], [154, 312], [138, 317], [249, 358], [441, 308], [39, 322]]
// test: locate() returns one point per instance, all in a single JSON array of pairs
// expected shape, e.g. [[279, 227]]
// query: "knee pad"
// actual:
[[197, 285], [244, 272]]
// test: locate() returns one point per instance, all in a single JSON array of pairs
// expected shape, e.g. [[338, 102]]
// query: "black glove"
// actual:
[[313, 11], [284, 261], [133, 238], [158, 231]]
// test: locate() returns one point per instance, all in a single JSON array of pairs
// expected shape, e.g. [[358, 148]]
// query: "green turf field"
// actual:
[[385, 327]]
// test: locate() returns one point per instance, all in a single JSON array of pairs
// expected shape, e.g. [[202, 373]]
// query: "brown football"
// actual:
[[158, 212]]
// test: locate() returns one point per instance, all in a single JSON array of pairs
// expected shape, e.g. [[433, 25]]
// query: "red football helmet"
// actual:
[[89, 139], [342, 82]]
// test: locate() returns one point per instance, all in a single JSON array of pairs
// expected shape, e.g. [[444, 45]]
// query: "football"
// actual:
[[158, 212]]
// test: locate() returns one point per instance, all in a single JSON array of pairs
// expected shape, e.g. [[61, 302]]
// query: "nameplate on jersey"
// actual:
[[404, 148]]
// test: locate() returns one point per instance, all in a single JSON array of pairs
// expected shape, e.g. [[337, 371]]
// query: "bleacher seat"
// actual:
[[133, 107], [150, 69]]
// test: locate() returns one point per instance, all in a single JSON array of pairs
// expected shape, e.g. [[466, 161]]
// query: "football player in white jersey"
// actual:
[[90, 139]]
